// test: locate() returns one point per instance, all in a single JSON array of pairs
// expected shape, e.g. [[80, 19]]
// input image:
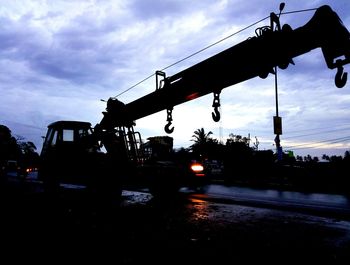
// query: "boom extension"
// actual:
[[256, 56]]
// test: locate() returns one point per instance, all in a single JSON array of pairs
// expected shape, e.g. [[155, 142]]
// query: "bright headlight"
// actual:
[[197, 167]]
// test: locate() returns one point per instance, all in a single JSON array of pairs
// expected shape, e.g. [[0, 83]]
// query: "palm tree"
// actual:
[[201, 140], [201, 137]]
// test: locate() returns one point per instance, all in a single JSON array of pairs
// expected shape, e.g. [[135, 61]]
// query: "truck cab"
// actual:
[[70, 154]]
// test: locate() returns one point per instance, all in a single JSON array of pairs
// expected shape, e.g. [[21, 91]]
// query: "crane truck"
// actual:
[[72, 149]]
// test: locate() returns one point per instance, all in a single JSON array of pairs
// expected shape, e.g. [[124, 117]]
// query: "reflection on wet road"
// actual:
[[291, 196], [216, 231], [314, 203]]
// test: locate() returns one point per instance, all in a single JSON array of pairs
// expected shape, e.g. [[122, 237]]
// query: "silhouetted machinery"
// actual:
[[71, 145]]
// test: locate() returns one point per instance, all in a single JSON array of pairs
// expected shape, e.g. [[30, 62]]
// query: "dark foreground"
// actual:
[[181, 230]]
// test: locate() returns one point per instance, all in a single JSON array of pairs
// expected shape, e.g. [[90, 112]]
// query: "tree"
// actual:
[[11, 148], [256, 144], [236, 138], [201, 137], [27, 147], [29, 156], [238, 145], [8, 145], [299, 158], [325, 157], [201, 140]]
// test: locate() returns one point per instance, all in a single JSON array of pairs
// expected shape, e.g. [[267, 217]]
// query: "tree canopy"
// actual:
[[16, 149]]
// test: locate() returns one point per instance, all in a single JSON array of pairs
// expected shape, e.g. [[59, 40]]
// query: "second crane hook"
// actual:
[[167, 128], [216, 104], [341, 77], [216, 114]]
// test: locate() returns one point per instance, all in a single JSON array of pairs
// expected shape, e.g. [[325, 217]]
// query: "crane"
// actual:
[[273, 46]]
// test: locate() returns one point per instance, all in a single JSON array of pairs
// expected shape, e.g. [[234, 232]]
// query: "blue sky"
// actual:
[[59, 58]]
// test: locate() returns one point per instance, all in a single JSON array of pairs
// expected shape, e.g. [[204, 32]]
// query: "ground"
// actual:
[[183, 229]]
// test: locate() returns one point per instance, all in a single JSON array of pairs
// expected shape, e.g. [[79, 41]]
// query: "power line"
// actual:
[[318, 128], [138, 83], [22, 124], [318, 144], [323, 141], [319, 132], [193, 54], [211, 45]]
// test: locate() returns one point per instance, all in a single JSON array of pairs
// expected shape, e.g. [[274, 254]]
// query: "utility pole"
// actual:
[[277, 122]]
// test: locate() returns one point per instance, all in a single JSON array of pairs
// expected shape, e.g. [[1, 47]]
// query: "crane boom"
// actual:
[[256, 56]]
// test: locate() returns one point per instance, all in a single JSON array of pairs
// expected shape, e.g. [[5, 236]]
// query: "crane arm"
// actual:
[[256, 56]]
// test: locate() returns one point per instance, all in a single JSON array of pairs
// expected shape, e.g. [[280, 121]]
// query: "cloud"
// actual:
[[59, 58]]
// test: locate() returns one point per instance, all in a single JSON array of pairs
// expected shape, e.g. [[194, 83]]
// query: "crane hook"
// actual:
[[216, 114], [341, 77], [167, 129], [216, 104]]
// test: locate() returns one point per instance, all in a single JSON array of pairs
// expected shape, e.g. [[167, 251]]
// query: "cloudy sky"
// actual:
[[59, 58]]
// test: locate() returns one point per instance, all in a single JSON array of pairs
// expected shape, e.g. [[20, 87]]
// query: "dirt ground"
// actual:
[[178, 230]]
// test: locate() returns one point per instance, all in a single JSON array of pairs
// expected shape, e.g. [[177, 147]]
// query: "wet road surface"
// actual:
[[178, 230], [333, 205]]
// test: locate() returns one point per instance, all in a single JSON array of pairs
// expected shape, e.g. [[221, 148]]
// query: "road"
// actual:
[[190, 228], [333, 205]]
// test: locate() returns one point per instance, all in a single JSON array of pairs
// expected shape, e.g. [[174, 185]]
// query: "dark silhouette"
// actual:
[[201, 141], [72, 153], [273, 46], [8, 145], [12, 157]]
